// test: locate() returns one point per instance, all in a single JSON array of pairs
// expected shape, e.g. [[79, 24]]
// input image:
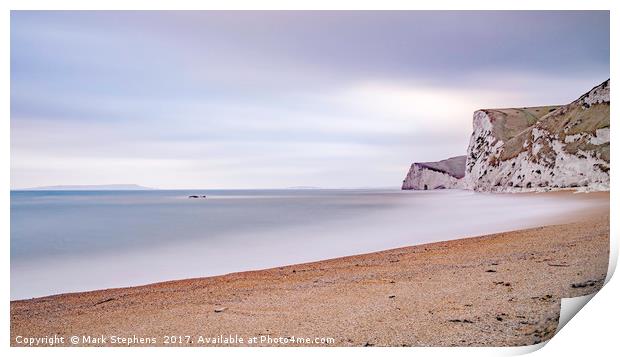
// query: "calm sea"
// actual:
[[66, 241]]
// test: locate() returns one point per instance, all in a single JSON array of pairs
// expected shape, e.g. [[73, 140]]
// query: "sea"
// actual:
[[70, 241]]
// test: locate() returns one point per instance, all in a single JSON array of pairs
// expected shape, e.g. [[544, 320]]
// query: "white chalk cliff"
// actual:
[[529, 149], [543, 148], [447, 173]]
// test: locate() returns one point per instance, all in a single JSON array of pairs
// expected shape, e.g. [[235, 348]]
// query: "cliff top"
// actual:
[[579, 120], [454, 166], [509, 122]]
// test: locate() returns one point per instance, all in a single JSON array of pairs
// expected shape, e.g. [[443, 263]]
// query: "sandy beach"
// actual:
[[495, 290]]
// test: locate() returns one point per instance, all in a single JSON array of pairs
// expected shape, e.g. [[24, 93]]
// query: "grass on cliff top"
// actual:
[[567, 120], [576, 119], [509, 122]]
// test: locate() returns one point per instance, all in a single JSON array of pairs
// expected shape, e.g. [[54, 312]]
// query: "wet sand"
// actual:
[[495, 290]]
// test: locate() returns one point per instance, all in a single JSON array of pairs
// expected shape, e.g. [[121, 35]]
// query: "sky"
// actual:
[[207, 99]]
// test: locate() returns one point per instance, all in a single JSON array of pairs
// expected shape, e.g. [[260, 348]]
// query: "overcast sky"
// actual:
[[277, 99]]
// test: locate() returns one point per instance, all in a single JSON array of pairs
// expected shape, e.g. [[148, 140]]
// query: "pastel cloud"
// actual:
[[263, 99]]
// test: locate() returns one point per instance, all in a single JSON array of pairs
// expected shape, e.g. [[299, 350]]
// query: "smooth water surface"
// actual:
[[66, 241]]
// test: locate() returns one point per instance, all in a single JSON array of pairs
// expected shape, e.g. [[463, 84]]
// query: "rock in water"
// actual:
[[542, 148]]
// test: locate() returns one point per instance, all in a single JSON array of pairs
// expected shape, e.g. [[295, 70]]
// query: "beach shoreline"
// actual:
[[494, 290]]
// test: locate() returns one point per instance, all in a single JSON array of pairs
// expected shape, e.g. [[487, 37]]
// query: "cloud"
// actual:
[[276, 99]]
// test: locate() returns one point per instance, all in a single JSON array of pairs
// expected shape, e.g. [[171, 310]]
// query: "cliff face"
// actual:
[[447, 173], [542, 148]]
